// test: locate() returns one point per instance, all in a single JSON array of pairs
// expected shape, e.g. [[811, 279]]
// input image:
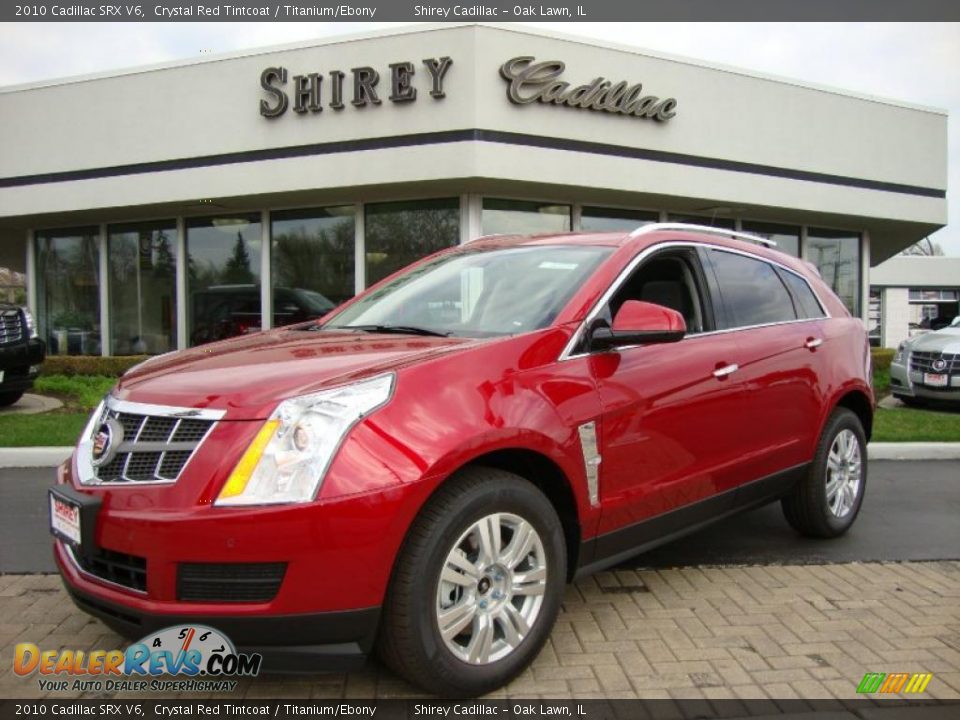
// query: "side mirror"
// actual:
[[640, 323]]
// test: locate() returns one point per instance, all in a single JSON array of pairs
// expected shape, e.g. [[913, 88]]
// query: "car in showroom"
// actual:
[[422, 471], [926, 368], [21, 353]]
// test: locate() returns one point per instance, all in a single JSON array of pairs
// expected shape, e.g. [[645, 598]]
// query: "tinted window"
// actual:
[[752, 291], [807, 305]]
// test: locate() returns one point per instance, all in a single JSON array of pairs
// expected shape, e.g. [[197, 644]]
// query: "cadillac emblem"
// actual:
[[106, 441], [940, 364]]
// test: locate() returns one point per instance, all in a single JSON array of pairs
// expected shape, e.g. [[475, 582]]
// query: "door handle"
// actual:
[[725, 370], [813, 343]]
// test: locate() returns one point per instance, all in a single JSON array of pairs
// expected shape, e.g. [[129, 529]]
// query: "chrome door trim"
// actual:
[[567, 352]]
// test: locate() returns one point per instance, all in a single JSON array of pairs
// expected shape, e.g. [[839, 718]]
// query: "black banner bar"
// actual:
[[471, 11], [506, 709]]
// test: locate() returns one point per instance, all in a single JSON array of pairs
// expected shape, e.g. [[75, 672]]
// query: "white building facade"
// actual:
[[910, 295], [163, 207]]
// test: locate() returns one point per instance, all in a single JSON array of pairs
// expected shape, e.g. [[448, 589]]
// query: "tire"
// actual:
[[911, 401], [841, 459], [448, 529], [9, 398]]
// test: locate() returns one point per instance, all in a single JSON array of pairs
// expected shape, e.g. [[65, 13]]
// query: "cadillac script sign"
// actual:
[[531, 81]]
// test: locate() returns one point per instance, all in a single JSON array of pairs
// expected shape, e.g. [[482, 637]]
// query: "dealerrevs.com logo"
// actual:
[[205, 656]]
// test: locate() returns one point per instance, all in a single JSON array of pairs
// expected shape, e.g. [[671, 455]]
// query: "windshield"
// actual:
[[479, 293]]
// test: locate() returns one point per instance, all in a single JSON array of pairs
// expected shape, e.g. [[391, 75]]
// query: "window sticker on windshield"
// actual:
[[550, 265]]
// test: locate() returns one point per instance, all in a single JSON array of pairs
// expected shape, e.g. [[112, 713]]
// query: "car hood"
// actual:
[[249, 375], [946, 340]]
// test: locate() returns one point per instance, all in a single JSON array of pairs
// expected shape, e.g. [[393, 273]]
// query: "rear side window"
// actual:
[[752, 292], [807, 304]]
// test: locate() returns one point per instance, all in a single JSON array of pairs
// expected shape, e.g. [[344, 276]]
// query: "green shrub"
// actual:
[[882, 357], [71, 365]]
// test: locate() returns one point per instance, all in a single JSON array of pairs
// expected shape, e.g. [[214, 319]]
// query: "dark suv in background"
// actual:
[[21, 353]]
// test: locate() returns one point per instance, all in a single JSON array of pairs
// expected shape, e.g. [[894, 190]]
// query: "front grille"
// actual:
[[11, 326], [229, 582], [130, 571], [155, 448], [923, 362]]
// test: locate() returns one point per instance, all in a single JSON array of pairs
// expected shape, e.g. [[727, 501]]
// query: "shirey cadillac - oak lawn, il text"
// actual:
[[422, 470]]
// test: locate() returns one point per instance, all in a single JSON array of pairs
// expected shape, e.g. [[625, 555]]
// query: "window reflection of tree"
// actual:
[[318, 258], [399, 233]]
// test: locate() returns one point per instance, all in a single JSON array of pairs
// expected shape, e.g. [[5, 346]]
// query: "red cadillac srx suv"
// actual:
[[421, 471]]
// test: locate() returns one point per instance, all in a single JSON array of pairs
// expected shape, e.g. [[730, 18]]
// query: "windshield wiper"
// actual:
[[394, 329]]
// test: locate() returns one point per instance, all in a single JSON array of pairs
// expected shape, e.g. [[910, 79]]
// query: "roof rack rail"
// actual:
[[653, 227]]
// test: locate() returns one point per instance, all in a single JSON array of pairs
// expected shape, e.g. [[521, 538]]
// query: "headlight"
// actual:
[[901, 351], [287, 460], [31, 324]]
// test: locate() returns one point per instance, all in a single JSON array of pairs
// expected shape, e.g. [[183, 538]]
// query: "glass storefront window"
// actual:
[[223, 277], [311, 262], [787, 237], [875, 317], [520, 217], [68, 295], [398, 233], [142, 258], [836, 253], [602, 219], [725, 223]]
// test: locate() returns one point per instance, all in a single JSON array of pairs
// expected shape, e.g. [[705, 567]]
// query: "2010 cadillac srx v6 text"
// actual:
[[422, 470]]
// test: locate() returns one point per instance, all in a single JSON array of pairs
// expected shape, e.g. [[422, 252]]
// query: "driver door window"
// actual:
[[670, 279]]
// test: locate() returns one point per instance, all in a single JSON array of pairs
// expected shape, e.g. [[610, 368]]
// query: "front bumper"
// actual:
[[309, 642], [906, 383], [16, 361]]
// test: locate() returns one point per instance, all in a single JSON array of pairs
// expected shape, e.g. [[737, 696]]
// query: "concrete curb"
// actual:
[[38, 457], [910, 451], [33, 457]]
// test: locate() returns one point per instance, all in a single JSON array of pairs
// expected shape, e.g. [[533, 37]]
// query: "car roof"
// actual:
[[652, 234]]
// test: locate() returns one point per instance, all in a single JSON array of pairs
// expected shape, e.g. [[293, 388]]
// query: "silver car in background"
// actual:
[[927, 367]]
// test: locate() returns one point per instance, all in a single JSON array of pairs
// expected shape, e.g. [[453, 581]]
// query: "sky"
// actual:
[[914, 62]]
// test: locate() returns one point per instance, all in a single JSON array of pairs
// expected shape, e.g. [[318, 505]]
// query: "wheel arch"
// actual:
[[550, 479], [859, 403]]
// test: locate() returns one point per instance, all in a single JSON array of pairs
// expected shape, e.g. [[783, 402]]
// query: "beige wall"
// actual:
[[211, 107]]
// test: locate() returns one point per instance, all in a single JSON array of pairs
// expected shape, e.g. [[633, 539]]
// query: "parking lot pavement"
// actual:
[[754, 632]]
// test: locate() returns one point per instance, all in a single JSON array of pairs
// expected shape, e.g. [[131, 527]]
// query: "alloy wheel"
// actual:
[[844, 473], [491, 588]]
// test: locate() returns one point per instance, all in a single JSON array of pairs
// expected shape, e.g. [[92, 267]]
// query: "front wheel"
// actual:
[[826, 501], [477, 586], [9, 398]]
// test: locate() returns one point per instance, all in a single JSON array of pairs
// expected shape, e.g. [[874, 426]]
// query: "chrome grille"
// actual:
[[155, 447], [923, 362], [11, 326]]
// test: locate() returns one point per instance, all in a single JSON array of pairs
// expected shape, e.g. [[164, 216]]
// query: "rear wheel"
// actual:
[[477, 585], [826, 502], [9, 398]]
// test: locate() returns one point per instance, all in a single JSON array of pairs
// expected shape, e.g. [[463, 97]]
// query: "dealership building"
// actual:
[[162, 207]]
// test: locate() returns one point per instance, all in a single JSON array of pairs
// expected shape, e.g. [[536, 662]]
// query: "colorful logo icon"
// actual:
[[894, 683], [189, 650]]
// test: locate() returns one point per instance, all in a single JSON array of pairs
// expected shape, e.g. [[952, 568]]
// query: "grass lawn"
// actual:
[[80, 394], [53, 428], [881, 382], [912, 425]]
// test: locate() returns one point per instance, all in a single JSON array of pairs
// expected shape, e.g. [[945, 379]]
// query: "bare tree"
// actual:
[[926, 248]]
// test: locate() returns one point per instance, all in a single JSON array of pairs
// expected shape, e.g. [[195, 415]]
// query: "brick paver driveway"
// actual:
[[733, 632]]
